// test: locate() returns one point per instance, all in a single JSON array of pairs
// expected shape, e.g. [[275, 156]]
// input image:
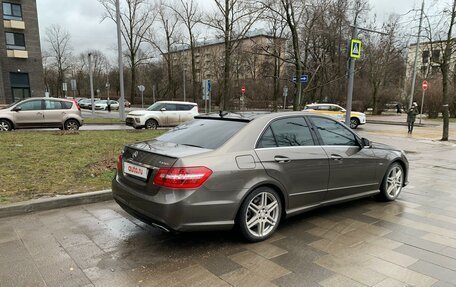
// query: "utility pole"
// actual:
[[92, 101], [121, 76], [351, 78], [412, 88], [184, 84]]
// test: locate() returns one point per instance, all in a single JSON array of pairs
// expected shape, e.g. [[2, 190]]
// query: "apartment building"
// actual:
[[252, 56], [430, 57], [20, 52]]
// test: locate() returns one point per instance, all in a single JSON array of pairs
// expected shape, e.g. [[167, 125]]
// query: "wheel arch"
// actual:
[[273, 185], [155, 118], [71, 118], [10, 121]]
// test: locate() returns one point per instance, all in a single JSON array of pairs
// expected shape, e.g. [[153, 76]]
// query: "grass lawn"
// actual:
[[101, 121], [36, 164]]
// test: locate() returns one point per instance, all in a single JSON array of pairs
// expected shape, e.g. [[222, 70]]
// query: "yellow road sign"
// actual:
[[355, 48]]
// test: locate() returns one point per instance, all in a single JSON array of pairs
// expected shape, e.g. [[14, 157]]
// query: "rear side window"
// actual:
[[333, 133], [53, 105], [67, 105], [204, 133], [181, 107], [287, 132], [171, 107]]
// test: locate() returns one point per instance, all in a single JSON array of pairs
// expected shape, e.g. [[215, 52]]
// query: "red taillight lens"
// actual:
[[77, 104], [119, 163], [182, 177]]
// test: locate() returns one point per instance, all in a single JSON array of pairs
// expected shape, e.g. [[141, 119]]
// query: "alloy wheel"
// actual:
[[394, 181], [4, 126], [262, 214], [72, 126]]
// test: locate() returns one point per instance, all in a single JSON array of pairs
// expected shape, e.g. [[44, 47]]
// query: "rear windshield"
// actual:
[[204, 133]]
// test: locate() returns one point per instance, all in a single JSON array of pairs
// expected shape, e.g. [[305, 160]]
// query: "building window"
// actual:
[[436, 56], [425, 57], [12, 11], [20, 86], [15, 41]]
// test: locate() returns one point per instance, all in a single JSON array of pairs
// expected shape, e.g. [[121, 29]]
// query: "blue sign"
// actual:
[[208, 85], [304, 79]]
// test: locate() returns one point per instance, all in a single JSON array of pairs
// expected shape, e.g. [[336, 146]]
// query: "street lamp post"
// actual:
[[184, 70], [121, 76]]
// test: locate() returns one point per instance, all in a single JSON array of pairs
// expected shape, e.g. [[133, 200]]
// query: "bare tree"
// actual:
[[169, 23], [232, 19], [190, 16], [60, 51], [445, 73], [136, 17]]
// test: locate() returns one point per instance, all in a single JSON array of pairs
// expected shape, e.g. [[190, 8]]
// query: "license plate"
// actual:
[[135, 170]]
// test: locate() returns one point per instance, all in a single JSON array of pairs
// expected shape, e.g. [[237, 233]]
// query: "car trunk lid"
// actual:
[[141, 161]]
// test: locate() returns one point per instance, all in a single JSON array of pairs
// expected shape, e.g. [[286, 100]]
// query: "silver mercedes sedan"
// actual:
[[251, 170]]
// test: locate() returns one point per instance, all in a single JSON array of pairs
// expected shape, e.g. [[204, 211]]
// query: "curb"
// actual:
[[54, 202], [399, 123]]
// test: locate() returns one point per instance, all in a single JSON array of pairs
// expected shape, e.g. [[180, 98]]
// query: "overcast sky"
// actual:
[[82, 18]]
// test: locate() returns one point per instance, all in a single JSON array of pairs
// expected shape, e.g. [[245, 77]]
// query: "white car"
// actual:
[[356, 118], [163, 113], [103, 105]]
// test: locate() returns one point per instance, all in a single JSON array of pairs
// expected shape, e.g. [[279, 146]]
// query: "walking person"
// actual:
[[411, 117], [109, 105], [398, 109]]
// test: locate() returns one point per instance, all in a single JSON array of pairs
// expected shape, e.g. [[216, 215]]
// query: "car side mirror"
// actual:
[[163, 109], [366, 142], [16, 109]]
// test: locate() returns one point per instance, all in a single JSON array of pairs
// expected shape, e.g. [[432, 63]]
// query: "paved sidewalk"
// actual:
[[410, 242]]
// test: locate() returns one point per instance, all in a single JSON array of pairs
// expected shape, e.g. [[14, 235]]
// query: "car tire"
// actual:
[[392, 183], [151, 124], [71, 125], [5, 125], [260, 214], [354, 123]]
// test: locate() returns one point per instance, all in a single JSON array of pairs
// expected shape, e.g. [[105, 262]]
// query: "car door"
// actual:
[[352, 167], [30, 115], [171, 115], [184, 111], [289, 154], [54, 113]]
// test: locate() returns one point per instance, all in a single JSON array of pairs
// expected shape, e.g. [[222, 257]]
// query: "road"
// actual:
[[363, 243]]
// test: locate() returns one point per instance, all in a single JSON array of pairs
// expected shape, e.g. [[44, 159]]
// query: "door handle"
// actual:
[[281, 159], [336, 157]]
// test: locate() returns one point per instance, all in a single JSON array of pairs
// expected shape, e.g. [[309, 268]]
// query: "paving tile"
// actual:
[[296, 279], [416, 242], [440, 239], [431, 257], [259, 265], [351, 268], [431, 220], [107, 278], [385, 243], [340, 281], [443, 284], [219, 265], [244, 277], [435, 271], [267, 250], [62, 273], [20, 273], [193, 276], [407, 230], [400, 273], [13, 251], [7, 233], [303, 266], [390, 282], [85, 255], [388, 255]]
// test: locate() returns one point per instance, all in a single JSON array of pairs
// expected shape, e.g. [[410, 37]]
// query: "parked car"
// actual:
[[163, 113], [252, 170], [41, 113], [85, 103], [103, 105], [356, 118]]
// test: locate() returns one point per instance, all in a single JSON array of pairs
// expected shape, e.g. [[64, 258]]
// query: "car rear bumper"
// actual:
[[190, 212]]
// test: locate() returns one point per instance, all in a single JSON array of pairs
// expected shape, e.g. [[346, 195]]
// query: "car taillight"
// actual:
[[77, 104], [182, 177], [119, 163]]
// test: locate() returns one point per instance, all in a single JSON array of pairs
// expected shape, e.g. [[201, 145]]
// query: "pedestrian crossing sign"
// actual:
[[355, 48]]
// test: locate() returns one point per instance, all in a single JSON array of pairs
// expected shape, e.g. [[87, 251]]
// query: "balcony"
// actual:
[[17, 54], [14, 24]]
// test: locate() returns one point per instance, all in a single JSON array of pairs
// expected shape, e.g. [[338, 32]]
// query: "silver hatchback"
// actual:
[[41, 113], [252, 170]]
